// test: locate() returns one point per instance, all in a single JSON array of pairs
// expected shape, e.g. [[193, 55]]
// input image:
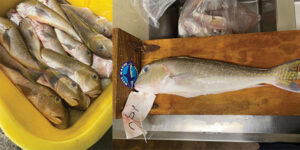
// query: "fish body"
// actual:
[[98, 23], [48, 37], [14, 16], [65, 88], [13, 42], [97, 43], [191, 77], [32, 40], [8, 61], [55, 6], [43, 14], [44, 99], [76, 49], [83, 75], [102, 66]]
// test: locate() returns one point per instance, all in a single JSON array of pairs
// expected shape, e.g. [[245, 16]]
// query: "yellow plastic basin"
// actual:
[[27, 128]]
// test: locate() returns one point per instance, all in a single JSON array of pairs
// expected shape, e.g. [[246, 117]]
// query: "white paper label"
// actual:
[[137, 107]]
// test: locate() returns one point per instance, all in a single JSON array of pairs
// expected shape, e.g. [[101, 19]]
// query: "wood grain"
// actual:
[[263, 50], [125, 46]]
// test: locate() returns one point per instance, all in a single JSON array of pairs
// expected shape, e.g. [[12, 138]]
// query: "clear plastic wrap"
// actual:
[[151, 10], [215, 17]]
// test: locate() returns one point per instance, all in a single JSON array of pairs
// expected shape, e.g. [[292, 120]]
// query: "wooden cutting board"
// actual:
[[263, 50]]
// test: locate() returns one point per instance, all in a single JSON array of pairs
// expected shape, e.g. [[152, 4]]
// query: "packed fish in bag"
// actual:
[[215, 17]]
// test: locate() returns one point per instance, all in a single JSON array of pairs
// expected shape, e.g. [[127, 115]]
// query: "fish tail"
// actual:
[[285, 76]]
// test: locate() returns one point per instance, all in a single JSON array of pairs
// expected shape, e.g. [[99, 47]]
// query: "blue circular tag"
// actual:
[[128, 74]]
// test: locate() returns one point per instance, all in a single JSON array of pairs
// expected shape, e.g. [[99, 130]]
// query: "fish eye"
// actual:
[[146, 69], [101, 47], [57, 99], [95, 76], [89, 53], [74, 84]]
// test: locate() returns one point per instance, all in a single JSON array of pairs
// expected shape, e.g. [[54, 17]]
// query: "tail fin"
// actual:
[[286, 76]]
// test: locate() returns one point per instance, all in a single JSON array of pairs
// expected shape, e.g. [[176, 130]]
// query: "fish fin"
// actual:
[[289, 71], [167, 69], [26, 90], [43, 81], [286, 75], [183, 78], [288, 86]]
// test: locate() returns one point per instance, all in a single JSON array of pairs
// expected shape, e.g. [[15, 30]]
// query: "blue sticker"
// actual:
[[128, 74]]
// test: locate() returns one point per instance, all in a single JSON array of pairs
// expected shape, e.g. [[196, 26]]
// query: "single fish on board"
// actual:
[[102, 66], [98, 23], [191, 77], [12, 41], [14, 16], [88, 80], [43, 14], [96, 42], [44, 99], [66, 88], [76, 49]]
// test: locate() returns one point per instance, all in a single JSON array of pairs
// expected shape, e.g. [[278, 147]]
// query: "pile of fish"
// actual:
[[57, 55]]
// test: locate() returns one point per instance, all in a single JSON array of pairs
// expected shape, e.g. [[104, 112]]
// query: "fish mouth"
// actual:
[[56, 119], [85, 102], [73, 102], [94, 93]]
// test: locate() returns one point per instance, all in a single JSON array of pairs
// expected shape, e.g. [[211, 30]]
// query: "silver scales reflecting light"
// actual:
[[239, 128]]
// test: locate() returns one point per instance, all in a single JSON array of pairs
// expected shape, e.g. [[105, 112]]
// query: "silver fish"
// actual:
[[76, 49], [97, 43], [12, 41], [43, 14], [191, 77], [83, 75], [98, 23]]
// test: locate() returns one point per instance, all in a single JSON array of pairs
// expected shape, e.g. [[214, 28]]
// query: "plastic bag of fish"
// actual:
[[151, 10], [57, 55], [215, 17]]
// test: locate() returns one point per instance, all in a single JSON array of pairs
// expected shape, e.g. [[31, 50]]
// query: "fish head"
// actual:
[[54, 110], [84, 103], [70, 90], [89, 82], [151, 78], [103, 45]]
